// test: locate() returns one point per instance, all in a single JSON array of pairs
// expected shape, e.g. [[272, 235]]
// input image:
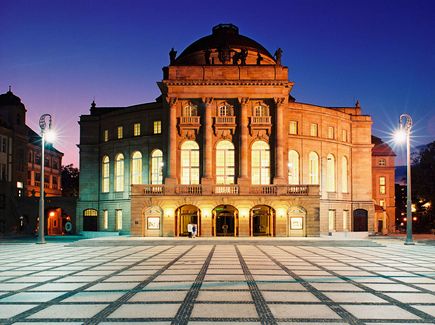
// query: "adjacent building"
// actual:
[[227, 148]]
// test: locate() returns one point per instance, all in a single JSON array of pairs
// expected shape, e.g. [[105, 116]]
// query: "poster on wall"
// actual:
[[296, 223], [153, 223]]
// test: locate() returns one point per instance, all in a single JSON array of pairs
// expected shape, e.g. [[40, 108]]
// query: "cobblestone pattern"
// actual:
[[216, 283]]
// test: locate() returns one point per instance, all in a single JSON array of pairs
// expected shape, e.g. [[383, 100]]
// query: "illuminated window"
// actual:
[[136, 168], [345, 220], [120, 132], [189, 163], [331, 220], [90, 213], [382, 189], [119, 172], [313, 168], [382, 162], [260, 163], [157, 167], [261, 110], [106, 135], [136, 129], [314, 130], [382, 203], [330, 173], [190, 110], [225, 110], [105, 175], [293, 167], [344, 175], [344, 135], [157, 127], [105, 219], [293, 127], [225, 163], [118, 219], [330, 132]]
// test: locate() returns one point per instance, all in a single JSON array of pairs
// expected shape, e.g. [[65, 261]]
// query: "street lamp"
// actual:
[[404, 132], [46, 133]]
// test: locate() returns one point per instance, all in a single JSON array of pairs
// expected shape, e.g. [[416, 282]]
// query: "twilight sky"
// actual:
[[59, 55]]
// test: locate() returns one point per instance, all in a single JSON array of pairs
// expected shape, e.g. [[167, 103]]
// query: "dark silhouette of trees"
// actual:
[[70, 181]]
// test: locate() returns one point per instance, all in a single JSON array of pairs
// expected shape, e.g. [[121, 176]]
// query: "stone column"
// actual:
[[207, 179], [279, 141], [323, 177], [172, 174], [243, 180]]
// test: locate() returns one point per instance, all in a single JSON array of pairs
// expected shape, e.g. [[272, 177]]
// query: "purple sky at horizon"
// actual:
[[59, 55]]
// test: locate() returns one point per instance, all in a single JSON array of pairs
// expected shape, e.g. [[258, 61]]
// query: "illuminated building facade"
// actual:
[[227, 148]]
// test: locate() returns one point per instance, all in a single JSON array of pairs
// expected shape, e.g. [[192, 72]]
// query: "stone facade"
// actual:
[[240, 157]]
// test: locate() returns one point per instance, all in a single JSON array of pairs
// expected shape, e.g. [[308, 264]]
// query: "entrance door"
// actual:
[[90, 220], [360, 220], [187, 214], [225, 224], [262, 220]]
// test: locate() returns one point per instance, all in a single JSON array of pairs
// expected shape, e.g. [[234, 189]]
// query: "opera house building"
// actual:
[[226, 148]]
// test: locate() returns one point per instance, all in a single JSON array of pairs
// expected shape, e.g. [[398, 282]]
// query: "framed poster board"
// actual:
[[153, 223], [296, 223]]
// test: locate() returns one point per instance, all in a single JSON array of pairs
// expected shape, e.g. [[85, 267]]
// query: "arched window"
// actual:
[[157, 167], [225, 163], [344, 175], [313, 168], [190, 110], [293, 167], [330, 173], [136, 168], [260, 163], [225, 110], [261, 110], [189, 163], [105, 175], [119, 172]]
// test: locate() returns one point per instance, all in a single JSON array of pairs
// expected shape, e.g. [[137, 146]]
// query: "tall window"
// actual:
[[331, 220], [190, 110], [330, 132], [314, 130], [225, 110], [105, 219], [136, 129], [261, 110], [157, 127], [293, 127], [119, 172], [382, 189], [136, 168], [105, 177], [120, 132], [344, 175], [106, 135], [313, 168], [189, 163], [293, 167], [118, 219], [260, 163], [330, 173], [225, 163], [344, 135], [157, 167]]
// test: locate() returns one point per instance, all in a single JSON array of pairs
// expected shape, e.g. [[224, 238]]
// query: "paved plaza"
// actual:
[[209, 282]]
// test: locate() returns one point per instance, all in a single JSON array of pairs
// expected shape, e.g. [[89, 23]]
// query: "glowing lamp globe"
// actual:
[[50, 135], [400, 135]]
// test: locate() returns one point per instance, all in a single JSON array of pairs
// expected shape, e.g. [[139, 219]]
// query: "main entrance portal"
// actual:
[[225, 220], [262, 220], [187, 214]]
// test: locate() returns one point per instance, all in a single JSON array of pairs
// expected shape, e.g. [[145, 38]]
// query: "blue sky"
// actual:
[[59, 55]]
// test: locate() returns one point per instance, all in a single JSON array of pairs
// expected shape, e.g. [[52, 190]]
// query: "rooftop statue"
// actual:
[[278, 55], [172, 55]]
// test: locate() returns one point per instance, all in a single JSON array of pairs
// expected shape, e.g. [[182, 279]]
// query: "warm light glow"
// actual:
[[400, 135], [415, 218], [169, 212], [413, 208], [50, 135], [51, 214], [404, 219], [281, 212], [243, 212], [206, 212]]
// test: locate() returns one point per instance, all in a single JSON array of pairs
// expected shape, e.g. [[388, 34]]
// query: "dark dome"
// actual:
[[9, 99], [223, 36]]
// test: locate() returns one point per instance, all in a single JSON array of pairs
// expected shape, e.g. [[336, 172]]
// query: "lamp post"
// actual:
[[405, 122], [43, 126]]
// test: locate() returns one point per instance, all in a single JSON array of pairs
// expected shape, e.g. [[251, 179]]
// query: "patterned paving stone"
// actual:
[[303, 311], [68, 311], [224, 311], [379, 312], [146, 311]]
